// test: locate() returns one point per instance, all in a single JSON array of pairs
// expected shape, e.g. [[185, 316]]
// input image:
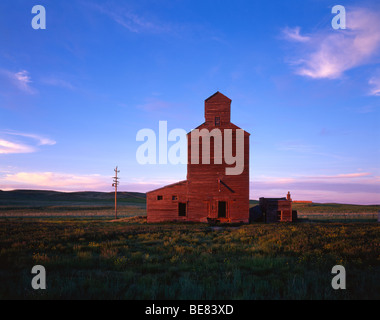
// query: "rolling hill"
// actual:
[[31, 201]]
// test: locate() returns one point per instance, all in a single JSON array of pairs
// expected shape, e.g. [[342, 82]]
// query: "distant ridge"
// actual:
[[49, 197], [85, 196]]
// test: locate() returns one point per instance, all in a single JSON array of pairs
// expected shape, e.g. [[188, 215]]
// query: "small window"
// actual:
[[160, 197], [174, 198], [217, 121]]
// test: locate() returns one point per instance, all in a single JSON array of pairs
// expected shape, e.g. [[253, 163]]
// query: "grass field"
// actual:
[[88, 255], [95, 258]]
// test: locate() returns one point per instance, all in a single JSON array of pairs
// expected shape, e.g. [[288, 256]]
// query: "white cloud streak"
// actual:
[[293, 34], [7, 146], [374, 82], [330, 53], [53, 81], [132, 21], [41, 140]]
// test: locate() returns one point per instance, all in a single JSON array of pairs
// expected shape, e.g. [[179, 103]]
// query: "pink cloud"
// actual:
[[28, 145], [52, 180], [20, 80], [330, 53], [59, 181], [354, 188], [8, 147], [353, 175]]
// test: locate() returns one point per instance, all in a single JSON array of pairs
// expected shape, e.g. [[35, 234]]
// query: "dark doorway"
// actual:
[[222, 209], [182, 209]]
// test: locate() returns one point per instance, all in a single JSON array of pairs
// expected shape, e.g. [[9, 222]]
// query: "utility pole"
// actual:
[[115, 184]]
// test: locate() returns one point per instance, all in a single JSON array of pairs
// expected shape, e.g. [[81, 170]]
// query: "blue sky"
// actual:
[[73, 96]]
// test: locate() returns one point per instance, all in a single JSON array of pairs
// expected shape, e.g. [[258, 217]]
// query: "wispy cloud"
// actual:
[[329, 53], [60, 181], [154, 104], [353, 175], [41, 140], [337, 177], [300, 147], [364, 109], [293, 34], [52, 180], [374, 82], [21, 80], [296, 146], [9, 146], [54, 81], [131, 20], [340, 176]]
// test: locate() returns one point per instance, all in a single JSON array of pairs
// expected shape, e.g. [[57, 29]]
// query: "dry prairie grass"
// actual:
[[90, 258]]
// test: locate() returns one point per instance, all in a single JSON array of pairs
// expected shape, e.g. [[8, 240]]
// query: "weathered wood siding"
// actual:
[[277, 210], [207, 184], [166, 209]]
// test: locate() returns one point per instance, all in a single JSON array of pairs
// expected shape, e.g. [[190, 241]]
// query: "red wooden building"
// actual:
[[278, 209], [209, 193]]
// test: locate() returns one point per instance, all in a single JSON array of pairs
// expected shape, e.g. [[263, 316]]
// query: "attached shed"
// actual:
[[278, 209], [168, 203]]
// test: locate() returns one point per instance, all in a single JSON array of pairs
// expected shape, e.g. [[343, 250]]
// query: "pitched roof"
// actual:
[[169, 185], [218, 94]]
